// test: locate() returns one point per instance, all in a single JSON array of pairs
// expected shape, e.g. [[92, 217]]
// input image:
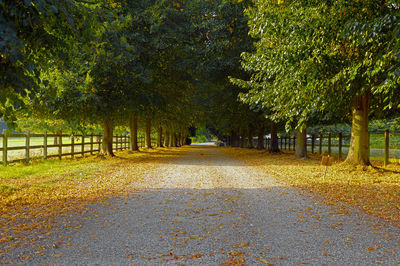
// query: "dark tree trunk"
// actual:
[[242, 138], [260, 138], [107, 137], [179, 136], [133, 127], [148, 133], [274, 138], [234, 139], [174, 140], [359, 142], [166, 139], [301, 143], [171, 139], [159, 139], [250, 138]]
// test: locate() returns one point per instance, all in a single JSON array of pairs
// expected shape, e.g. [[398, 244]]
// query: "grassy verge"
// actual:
[[32, 196], [375, 190]]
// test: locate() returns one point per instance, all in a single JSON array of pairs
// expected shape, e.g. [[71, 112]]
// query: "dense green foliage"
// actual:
[[238, 67], [323, 62]]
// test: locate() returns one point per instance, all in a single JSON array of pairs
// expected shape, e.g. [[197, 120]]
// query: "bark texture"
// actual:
[[301, 143], [166, 139], [148, 133], [359, 142], [260, 138], [234, 139], [274, 138], [250, 138], [159, 137], [171, 140], [133, 127], [107, 137]]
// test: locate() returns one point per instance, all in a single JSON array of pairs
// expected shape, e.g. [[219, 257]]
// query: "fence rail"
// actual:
[[339, 144], [23, 147]]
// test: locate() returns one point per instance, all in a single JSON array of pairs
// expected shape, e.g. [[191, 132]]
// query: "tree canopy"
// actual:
[[238, 67]]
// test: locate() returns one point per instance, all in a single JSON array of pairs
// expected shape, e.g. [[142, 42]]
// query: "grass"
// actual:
[[49, 167], [375, 190]]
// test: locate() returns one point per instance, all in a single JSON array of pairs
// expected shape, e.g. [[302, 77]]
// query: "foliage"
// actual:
[[34, 35], [309, 54]]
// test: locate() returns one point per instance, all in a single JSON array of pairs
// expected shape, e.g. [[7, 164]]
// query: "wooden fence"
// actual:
[[335, 145], [24, 144]]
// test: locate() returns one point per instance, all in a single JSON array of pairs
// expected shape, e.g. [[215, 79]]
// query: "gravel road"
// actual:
[[208, 209]]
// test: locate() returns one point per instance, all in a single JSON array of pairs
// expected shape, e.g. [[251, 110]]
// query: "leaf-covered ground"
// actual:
[[190, 205], [375, 190], [33, 196]]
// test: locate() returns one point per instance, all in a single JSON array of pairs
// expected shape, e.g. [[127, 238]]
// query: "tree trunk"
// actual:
[[159, 139], [301, 143], [178, 140], [175, 144], [148, 133], [133, 127], [241, 140], [234, 139], [171, 139], [107, 137], [166, 139], [260, 141], [250, 136], [274, 138], [359, 142]]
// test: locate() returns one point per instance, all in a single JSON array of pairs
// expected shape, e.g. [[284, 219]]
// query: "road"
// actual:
[[206, 208]]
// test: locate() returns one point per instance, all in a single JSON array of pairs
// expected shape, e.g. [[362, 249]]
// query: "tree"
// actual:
[[34, 36], [313, 57]]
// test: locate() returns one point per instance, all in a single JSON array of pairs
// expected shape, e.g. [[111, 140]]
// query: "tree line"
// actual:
[[324, 62], [240, 67]]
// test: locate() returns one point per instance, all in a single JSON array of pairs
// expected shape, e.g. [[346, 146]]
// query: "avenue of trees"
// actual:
[[243, 68]]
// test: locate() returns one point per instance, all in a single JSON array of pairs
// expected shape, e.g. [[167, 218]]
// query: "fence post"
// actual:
[[312, 143], [91, 144], [329, 144], [320, 143], [290, 139], [386, 162], [99, 142], [45, 145], [5, 143], [72, 146], [27, 145], [340, 145], [83, 146], [60, 145]]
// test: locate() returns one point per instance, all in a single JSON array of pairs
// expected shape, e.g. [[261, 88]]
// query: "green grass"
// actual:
[[76, 167], [7, 190]]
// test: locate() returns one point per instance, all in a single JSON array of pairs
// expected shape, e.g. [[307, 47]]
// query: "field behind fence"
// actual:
[[28, 146], [383, 147]]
